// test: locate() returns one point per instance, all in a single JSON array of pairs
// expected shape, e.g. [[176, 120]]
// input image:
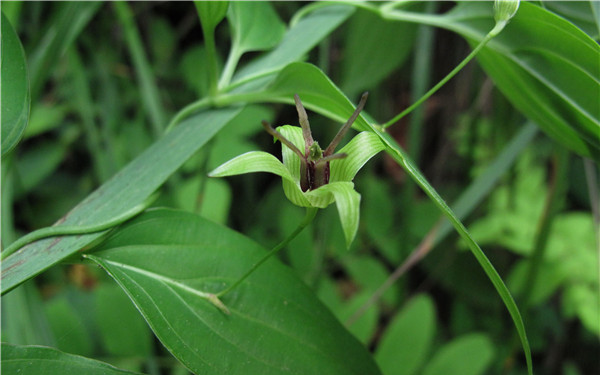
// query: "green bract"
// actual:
[[339, 188]]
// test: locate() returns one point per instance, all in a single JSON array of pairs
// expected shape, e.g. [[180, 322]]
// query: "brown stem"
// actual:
[[282, 139], [338, 137]]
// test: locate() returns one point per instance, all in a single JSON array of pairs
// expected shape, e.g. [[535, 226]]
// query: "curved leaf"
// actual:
[[15, 88], [30, 360], [360, 150], [253, 161], [347, 201], [165, 260]]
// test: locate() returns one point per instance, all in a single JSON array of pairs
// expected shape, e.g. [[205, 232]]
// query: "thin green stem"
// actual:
[[308, 218], [62, 230], [230, 65], [499, 26]]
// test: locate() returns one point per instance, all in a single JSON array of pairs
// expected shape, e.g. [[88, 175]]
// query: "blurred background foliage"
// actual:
[[443, 316]]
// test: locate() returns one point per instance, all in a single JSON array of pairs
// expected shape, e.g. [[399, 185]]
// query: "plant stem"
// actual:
[[499, 26], [62, 230], [308, 218]]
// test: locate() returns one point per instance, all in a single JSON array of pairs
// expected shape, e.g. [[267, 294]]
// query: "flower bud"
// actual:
[[504, 10]]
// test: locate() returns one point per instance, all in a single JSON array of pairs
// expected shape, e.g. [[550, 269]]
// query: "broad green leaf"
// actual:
[[131, 186], [470, 354], [65, 24], [299, 39], [255, 26], [30, 360], [406, 342], [15, 88], [374, 48], [166, 259]]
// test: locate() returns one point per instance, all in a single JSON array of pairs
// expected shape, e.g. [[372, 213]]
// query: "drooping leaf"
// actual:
[[131, 186], [15, 88], [30, 360], [166, 259]]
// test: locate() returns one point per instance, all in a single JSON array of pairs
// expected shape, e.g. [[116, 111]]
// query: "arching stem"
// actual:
[[308, 218]]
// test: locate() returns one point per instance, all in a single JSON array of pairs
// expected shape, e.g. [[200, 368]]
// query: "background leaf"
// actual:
[[407, 341], [255, 26], [163, 258], [15, 88], [29, 360], [299, 39], [468, 355], [131, 186], [547, 68]]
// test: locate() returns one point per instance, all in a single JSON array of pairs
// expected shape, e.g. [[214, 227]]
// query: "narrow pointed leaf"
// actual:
[[360, 150], [32, 360], [130, 187], [347, 201], [165, 259]]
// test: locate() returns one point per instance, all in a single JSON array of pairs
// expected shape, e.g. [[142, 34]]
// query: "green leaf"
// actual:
[[165, 260], [347, 201], [15, 88], [470, 354], [29, 360], [68, 326], [131, 186], [316, 90], [253, 161], [406, 342], [299, 39], [255, 26], [211, 12], [368, 58], [360, 150], [545, 66]]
